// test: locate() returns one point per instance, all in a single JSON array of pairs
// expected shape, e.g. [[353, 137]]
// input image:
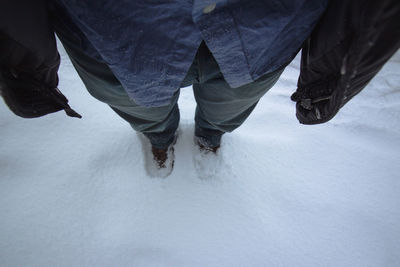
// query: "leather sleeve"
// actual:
[[29, 60], [350, 44]]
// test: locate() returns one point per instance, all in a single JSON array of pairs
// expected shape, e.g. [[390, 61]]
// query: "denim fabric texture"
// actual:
[[220, 108], [150, 45]]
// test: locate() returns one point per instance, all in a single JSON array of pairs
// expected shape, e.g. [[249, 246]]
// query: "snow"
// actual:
[[75, 192]]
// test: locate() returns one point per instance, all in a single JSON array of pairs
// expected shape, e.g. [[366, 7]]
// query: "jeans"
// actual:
[[220, 108]]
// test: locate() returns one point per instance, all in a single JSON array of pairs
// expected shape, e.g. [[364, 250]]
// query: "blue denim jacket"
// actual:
[[150, 44]]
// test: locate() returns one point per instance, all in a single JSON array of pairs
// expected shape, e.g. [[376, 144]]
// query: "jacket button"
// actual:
[[209, 8]]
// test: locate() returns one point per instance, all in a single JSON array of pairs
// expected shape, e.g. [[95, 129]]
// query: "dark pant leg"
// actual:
[[158, 124], [221, 108]]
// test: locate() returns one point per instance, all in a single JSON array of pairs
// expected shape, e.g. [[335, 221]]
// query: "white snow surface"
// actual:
[[75, 192]]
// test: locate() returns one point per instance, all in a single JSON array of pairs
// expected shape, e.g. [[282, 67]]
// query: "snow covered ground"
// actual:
[[75, 192]]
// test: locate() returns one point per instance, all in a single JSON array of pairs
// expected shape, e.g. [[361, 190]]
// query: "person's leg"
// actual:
[[220, 108], [158, 124]]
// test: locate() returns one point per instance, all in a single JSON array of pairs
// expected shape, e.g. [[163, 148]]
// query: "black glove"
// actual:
[[29, 98]]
